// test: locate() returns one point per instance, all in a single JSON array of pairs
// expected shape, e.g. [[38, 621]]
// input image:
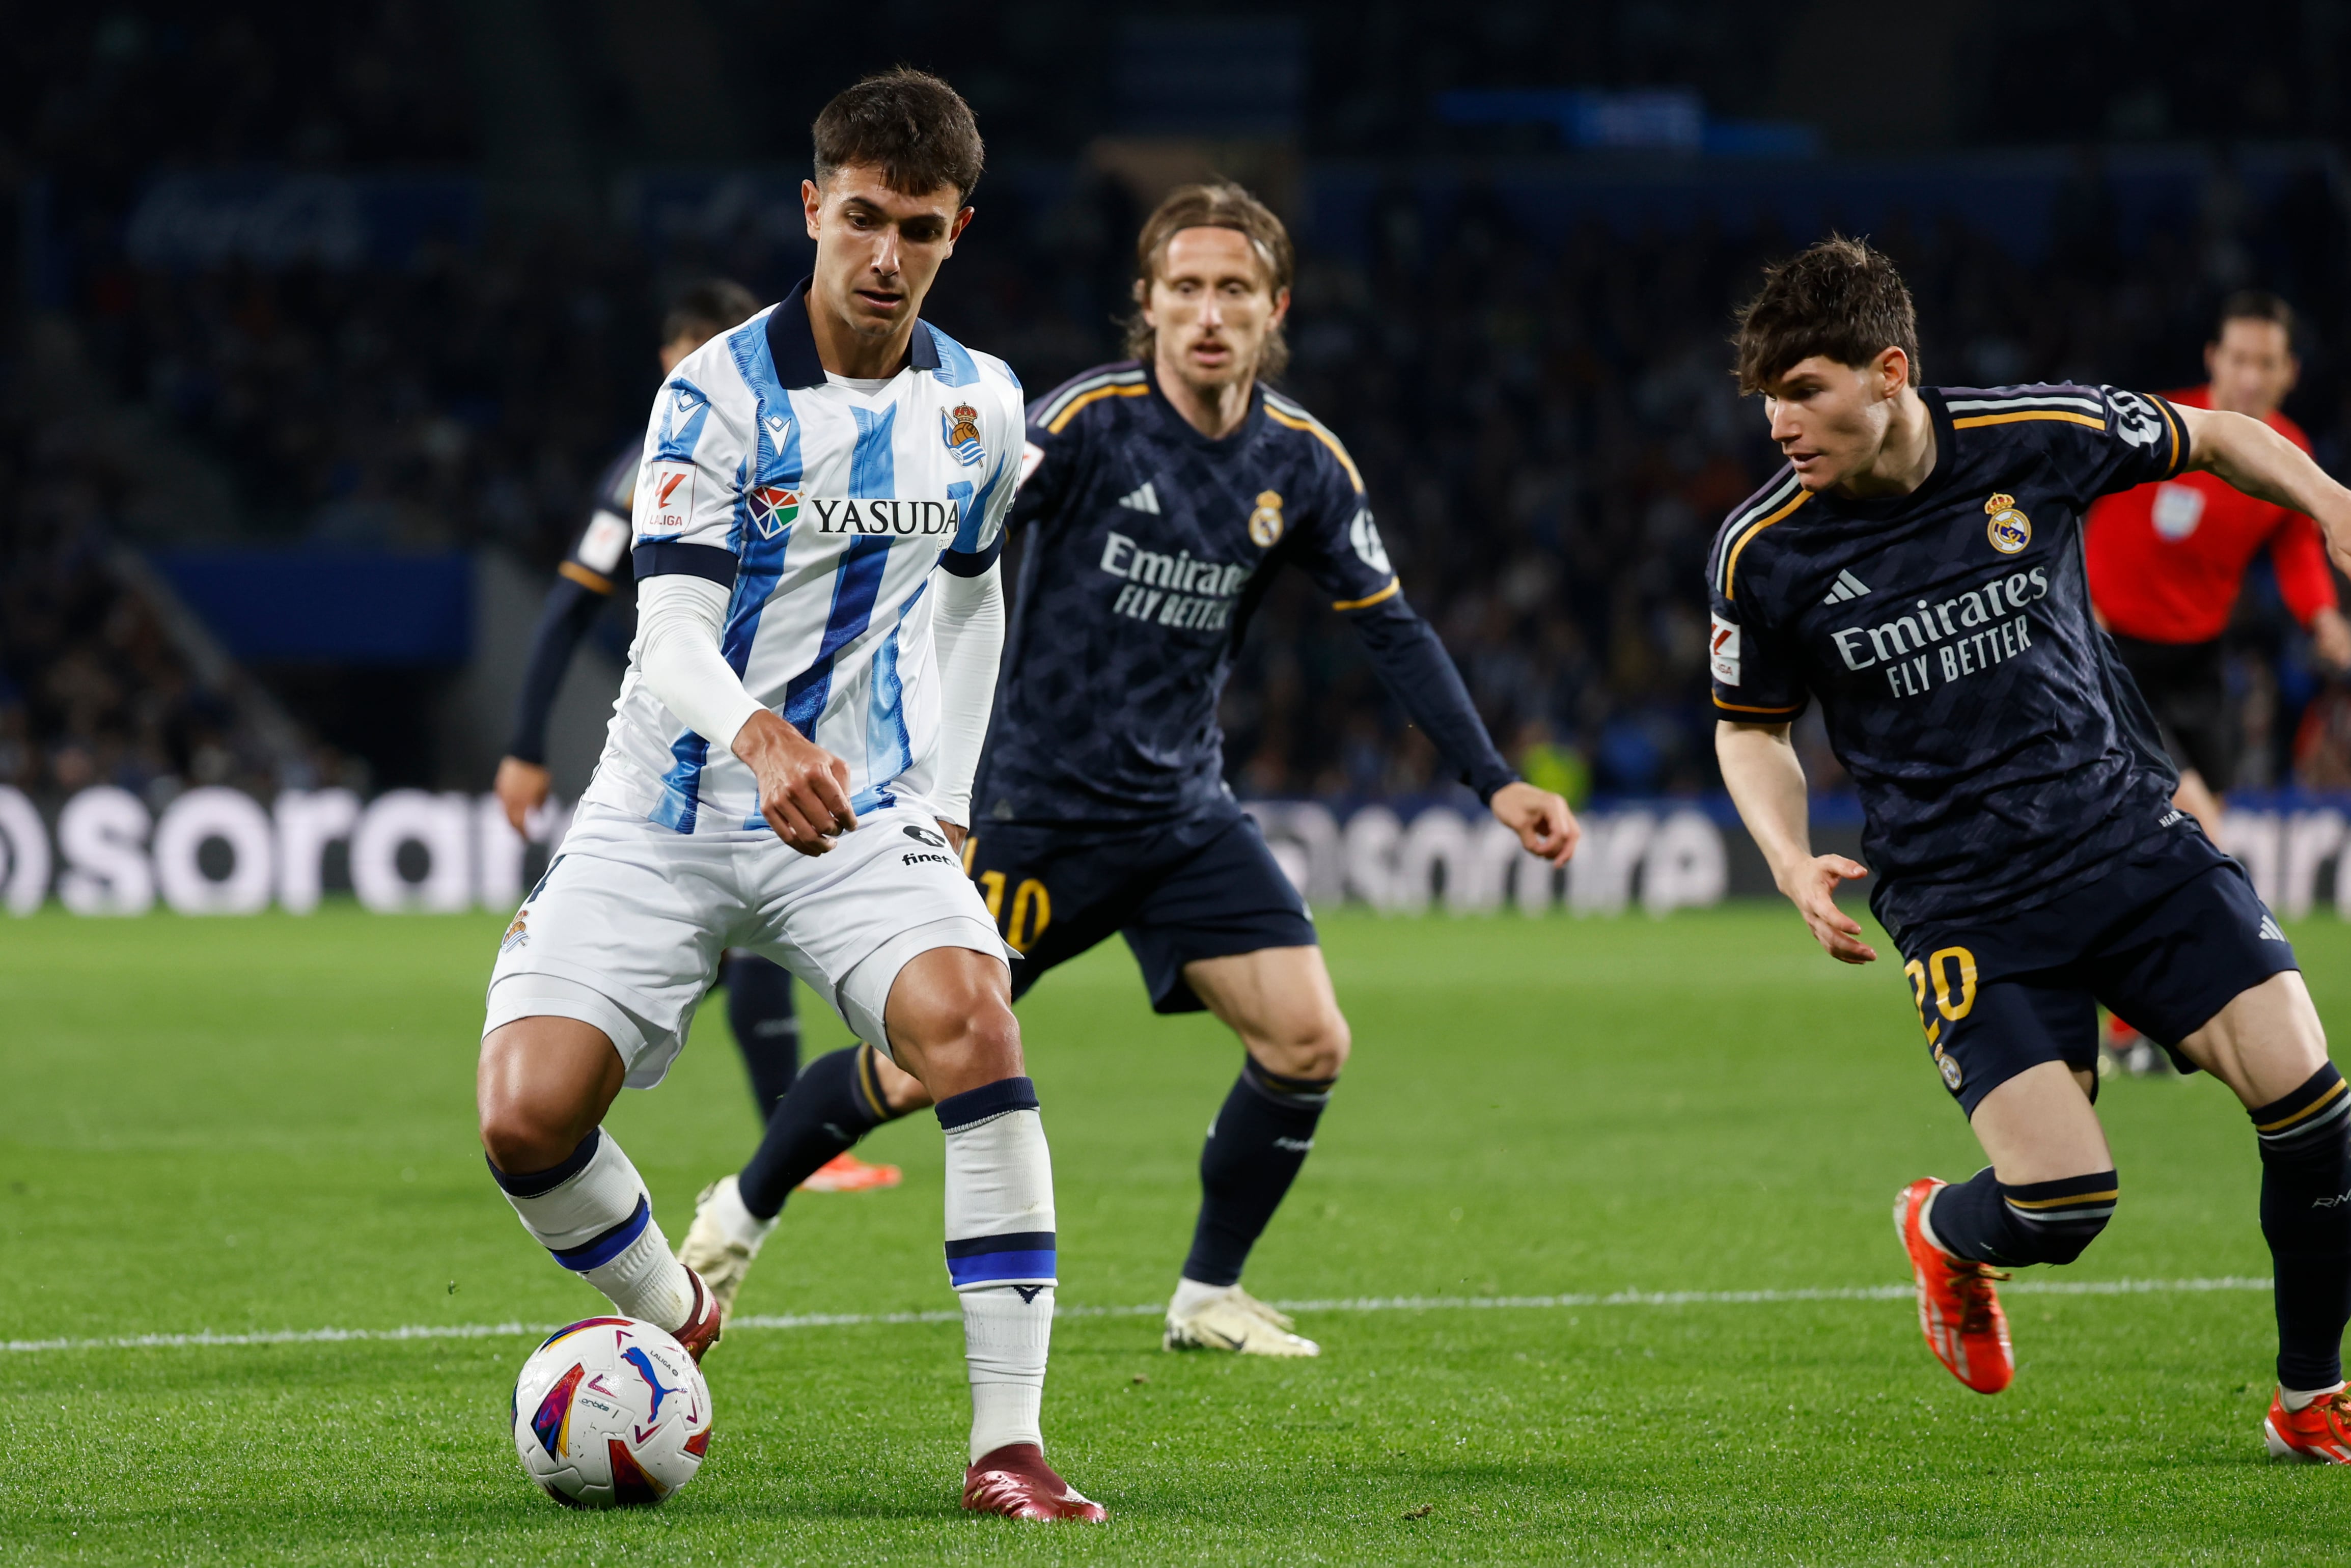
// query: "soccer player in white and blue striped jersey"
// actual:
[[789, 767]]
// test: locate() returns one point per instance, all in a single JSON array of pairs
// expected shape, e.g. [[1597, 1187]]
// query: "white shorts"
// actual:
[[626, 930]]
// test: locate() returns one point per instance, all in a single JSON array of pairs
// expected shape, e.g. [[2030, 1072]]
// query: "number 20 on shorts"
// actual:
[[1941, 968]]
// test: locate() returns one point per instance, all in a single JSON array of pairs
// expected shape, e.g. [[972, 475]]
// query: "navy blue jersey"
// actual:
[[1998, 749], [1148, 545]]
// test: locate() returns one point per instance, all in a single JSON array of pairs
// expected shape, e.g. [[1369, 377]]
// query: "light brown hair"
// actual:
[[1218, 205]]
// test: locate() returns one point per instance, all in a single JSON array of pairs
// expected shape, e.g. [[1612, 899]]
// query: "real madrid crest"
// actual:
[[1265, 523], [2010, 530], [959, 428]]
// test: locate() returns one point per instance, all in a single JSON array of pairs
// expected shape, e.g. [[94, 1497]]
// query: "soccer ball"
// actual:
[[610, 1413]]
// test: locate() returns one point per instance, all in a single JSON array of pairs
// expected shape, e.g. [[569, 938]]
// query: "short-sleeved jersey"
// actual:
[[2166, 560], [825, 510], [1148, 546], [599, 558], [1998, 747]]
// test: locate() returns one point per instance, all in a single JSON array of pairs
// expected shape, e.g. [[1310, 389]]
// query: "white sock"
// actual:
[[599, 1223], [737, 1223], [1191, 1296], [1004, 1342], [2302, 1399], [1000, 1255]]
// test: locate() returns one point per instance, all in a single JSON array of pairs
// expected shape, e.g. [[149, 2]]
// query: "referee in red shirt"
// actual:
[[2166, 560]]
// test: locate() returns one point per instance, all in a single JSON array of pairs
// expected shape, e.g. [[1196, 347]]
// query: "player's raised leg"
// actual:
[[2049, 1191], [949, 1018], [543, 1087], [1280, 1001], [2268, 1046]]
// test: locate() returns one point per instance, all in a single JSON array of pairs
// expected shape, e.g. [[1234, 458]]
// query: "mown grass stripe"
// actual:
[[206, 1339]]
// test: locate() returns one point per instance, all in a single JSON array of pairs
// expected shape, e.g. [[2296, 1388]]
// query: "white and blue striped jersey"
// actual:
[[824, 509]]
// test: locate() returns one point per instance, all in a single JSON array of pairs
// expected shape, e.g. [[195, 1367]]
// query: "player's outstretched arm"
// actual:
[[803, 789], [1767, 784], [523, 781], [2248, 455]]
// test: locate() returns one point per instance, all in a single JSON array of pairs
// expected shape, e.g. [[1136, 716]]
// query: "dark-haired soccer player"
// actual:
[[1916, 568], [1164, 493], [789, 767], [598, 573]]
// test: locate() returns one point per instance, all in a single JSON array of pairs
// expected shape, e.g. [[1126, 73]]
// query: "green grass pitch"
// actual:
[[247, 1126]]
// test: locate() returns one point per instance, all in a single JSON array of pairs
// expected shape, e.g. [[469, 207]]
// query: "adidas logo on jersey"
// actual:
[[2269, 931], [1144, 500], [1847, 587]]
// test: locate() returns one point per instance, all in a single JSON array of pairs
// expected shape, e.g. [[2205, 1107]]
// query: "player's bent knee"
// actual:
[[543, 1085], [1318, 1047]]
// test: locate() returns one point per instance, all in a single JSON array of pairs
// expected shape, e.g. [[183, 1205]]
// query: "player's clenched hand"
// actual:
[[1813, 890], [803, 787], [521, 787], [1539, 818]]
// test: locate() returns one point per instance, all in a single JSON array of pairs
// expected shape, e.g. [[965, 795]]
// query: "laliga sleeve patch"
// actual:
[[1030, 456], [665, 498], [1364, 535], [602, 545], [1723, 649]]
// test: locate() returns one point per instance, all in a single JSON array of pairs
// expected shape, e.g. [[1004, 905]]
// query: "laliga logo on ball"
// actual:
[[2010, 530]]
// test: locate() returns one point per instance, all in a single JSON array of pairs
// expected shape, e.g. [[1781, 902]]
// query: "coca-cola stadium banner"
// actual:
[[215, 851]]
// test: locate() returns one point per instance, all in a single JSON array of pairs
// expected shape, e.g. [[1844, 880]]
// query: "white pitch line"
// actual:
[[200, 1341]]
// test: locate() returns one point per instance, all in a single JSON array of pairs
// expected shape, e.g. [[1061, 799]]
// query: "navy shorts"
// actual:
[[2167, 938], [1205, 887]]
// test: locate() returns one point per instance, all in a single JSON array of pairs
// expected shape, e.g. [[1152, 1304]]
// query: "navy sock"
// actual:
[[1985, 1221], [2306, 1218], [766, 1031], [835, 1102], [1255, 1147]]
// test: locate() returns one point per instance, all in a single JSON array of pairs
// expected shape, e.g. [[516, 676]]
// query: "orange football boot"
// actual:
[[846, 1173], [1959, 1312], [1015, 1481], [2319, 1433]]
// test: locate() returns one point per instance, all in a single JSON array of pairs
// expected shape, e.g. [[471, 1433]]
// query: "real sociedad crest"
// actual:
[[959, 428], [773, 508]]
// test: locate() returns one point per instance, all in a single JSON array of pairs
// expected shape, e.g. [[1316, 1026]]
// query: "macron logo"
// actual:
[[1847, 587], [1144, 500]]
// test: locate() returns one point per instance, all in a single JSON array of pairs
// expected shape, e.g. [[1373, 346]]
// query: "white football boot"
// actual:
[[1231, 1319], [721, 1242]]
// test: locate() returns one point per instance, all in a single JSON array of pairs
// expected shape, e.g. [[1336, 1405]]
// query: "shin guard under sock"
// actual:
[[767, 1030], [593, 1213], [835, 1102], [1257, 1144], [2038, 1222], [1000, 1255], [2306, 1218]]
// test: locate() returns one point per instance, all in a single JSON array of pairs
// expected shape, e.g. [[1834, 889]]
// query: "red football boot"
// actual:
[[1015, 1481], [2319, 1433], [1959, 1312], [702, 1325]]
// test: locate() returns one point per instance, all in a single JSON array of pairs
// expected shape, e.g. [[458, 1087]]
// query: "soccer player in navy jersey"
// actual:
[[1916, 568], [1162, 494], [598, 574]]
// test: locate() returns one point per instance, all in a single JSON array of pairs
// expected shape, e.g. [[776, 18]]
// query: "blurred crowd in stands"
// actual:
[[1547, 427]]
